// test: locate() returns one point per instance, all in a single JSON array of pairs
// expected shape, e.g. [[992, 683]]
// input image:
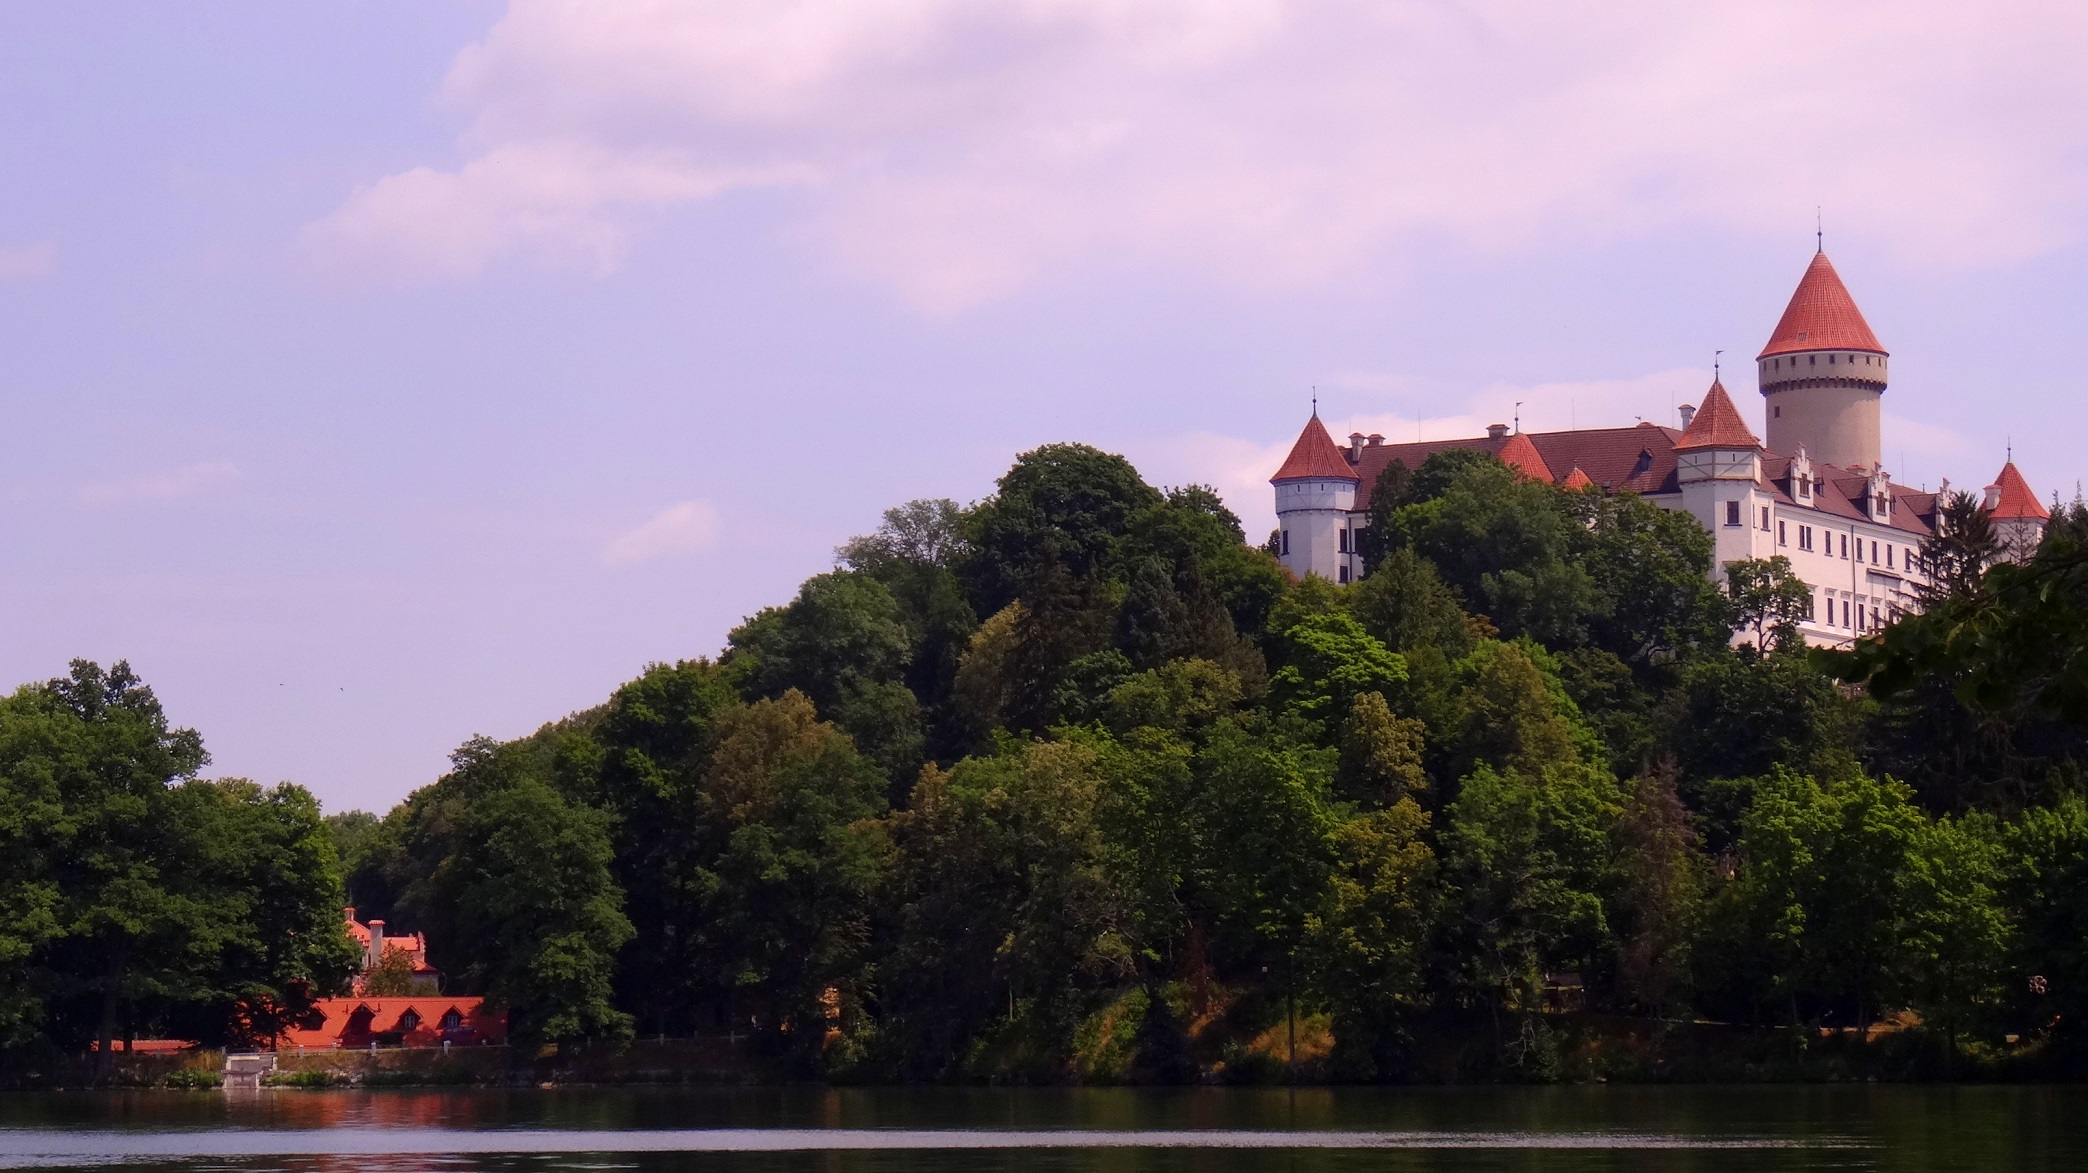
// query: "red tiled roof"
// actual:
[[1522, 456], [1638, 459], [1315, 457], [1821, 316], [1576, 480], [2012, 497], [1717, 424]]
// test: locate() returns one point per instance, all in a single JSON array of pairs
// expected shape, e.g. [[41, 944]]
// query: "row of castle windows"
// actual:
[[1812, 360], [1805, 539], [1856, 621]]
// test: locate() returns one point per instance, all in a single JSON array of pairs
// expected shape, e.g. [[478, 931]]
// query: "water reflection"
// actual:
[[875, 1130]]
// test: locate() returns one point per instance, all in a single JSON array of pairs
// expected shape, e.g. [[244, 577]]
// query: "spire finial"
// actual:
[[1315, 401], [1819, 230], [1714, 364], [1518, 417]]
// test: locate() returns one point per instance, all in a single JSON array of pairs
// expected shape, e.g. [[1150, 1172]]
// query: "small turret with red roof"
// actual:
[[1315, 493], [2016, 514]]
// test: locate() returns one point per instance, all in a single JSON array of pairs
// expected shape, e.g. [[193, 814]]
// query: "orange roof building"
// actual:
[[355, 1024], [1814, 490]]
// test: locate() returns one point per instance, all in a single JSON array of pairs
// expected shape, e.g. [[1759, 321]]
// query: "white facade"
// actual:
[[1316, 526]]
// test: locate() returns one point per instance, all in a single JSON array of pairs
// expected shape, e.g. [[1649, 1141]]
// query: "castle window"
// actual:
[[1732, 513], [1342, 574], [1781, 535], [1778, 411], [1341, 541], [451, 1020], [1812, 359], [1888, 555], [1765, 519], [1830, 360], [409, 1020], [1845, 613], [1874, 552], [1859, 549], [1286, 543], [1845, 545]]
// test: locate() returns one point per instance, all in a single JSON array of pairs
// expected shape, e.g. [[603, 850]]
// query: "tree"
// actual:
[[1654, 601], [1380, 754], [1327, 661], [1956, 555], [260, 865], [844, 643], [100, 910], [1661, 881], [1953, 927], [518, 896], [1820, 895], [1769, 600], [655, 736], [1507, 544], [788, 851], [1406, 604], [1528, 855], [1367, 945], [1063, 505]]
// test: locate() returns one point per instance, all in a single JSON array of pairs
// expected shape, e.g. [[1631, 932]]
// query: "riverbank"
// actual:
[[1572, 1048]]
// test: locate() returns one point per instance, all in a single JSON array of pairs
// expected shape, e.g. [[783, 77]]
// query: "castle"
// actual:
[[1816, 491]]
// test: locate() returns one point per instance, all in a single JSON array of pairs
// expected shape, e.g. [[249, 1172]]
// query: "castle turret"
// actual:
[[1315, 489], [2017, 516], [1823, 374], [1718, 465]]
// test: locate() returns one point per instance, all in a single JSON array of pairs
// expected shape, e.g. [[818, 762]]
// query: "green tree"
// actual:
[[789, 852], [1327, 660], [1406, 604], [1768, 600], [1662, 877], [1062, 506], [1381, 754], [1527, 853], [99, 907], [1953, 926], [517, 894], [1367, 946], [1818, 904]]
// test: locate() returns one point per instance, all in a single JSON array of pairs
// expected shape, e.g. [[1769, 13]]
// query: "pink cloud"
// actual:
[[959, 150]]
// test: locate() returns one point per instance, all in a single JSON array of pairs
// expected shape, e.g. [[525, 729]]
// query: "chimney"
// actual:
[[1355, 446], [1497, 431], [1688, 413], [376, 943], [1376, 439]]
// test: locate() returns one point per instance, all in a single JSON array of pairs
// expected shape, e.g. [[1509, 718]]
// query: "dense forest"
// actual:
[[1077, 783]]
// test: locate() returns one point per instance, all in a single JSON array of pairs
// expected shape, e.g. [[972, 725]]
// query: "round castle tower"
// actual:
[[1315, 490], [1822, 375]]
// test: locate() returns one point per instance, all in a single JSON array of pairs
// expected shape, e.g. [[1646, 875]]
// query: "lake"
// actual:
[[1314, 1130]]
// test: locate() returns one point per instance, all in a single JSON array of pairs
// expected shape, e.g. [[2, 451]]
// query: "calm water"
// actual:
[[1107, 1131]]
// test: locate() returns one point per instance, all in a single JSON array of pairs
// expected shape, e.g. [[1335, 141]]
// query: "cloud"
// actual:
[[955, 151], [28, 262], [560, 204], [188, 481], [685, 528]]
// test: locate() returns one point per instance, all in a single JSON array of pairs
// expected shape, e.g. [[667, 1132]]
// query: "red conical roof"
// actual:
[[1717, 424], [1821, 316], [2012, 497], [1576, 480], [1315, 457], [1522, 456]]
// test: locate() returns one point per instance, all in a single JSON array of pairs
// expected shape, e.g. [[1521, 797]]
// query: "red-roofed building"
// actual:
[[423, 1017], [1316, 494], [353, 1024], [2017, 515], [1815, 492]]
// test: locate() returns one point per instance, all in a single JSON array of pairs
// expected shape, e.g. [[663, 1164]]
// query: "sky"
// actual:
[[378, 374]]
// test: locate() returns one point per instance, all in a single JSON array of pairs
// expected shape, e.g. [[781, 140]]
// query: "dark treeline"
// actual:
[[1079, 783]]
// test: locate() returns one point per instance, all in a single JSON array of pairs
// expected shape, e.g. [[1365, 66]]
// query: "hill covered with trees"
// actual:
[[1078, 783]]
